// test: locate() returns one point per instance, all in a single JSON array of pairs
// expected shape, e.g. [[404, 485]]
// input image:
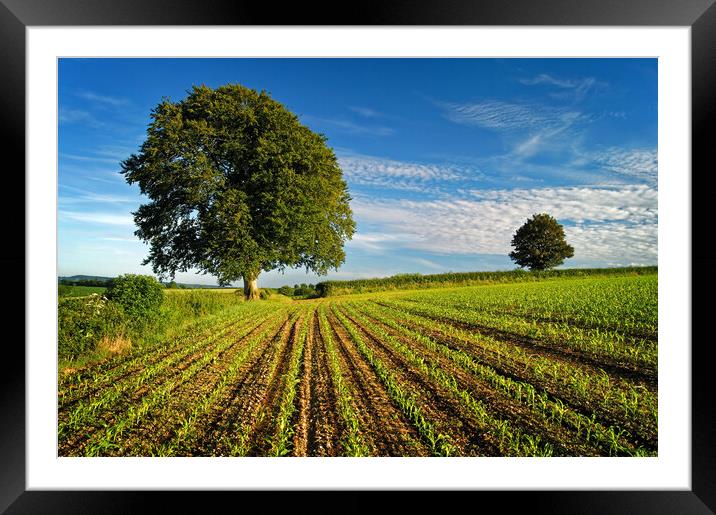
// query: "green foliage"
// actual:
[[83, 322], [540, 244], [237, 186], [264, 295], [140, 296], [415, 281]]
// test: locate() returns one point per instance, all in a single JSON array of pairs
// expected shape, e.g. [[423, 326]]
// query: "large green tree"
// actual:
[[540, 243], [237, 186]]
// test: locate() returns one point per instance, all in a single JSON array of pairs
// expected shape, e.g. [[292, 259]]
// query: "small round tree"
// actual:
[[237, 186], [540, 244]]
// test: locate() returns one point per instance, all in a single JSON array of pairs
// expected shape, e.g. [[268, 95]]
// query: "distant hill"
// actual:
[[97, 278]]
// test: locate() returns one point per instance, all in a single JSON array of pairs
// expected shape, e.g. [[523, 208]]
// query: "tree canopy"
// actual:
[[540, 243], [237, 186]]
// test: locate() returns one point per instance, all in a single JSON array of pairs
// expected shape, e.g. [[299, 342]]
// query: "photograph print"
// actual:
[[357, 257]]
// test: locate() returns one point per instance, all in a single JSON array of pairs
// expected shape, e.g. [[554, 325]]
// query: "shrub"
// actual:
[[83, 322], [264, 294], [140, 296]]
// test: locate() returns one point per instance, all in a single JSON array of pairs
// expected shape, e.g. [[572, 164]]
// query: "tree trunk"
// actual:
[[251, 289]]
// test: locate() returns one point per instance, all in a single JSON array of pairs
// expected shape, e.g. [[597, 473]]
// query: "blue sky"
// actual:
[[444, 158]]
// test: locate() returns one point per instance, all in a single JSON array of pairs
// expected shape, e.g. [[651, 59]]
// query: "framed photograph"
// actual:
[[424, 360]]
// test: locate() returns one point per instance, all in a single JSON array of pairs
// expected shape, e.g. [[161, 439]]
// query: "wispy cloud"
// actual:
[[366, 112], [103, 99], [97, 159], [577, 89], [73, 115], [77, 116], [377, 240], [122, 239], [83, 196], [351, 127], [506, 116], [98, 217]]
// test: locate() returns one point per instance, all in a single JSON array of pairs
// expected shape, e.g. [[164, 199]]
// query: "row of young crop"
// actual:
[[510, 440], [186, 425]]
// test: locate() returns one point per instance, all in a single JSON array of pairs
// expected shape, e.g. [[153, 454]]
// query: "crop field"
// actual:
[[560, 367]]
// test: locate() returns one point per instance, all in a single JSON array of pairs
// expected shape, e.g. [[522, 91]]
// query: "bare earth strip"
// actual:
[[318, 427]]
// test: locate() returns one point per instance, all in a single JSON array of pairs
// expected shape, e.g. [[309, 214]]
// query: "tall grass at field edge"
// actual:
[[91, 328]]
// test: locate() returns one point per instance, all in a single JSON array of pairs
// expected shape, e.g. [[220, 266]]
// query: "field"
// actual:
[[559, 367]]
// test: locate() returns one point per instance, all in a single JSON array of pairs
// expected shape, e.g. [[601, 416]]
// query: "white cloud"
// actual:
[[606, 224], [76, 157], [98, 217], [66, 115], [377, 240]]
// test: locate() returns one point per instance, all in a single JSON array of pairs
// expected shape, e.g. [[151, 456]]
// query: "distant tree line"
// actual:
[[302, 290], [85, 282]]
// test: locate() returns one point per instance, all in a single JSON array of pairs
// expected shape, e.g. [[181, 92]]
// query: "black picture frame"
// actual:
[[699, 15]]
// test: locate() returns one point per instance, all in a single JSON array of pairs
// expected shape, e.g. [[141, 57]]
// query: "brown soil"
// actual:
[[266, 424]]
